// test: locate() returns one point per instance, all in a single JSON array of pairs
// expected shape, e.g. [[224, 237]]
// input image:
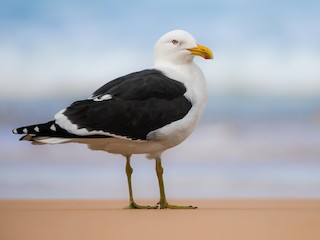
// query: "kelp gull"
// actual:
[[143, 112]]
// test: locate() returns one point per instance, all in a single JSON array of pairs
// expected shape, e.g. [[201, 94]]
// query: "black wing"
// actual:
[[141, 102], [142, 85]]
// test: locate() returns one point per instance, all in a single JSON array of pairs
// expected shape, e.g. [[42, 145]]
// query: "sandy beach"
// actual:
[[214, 219]]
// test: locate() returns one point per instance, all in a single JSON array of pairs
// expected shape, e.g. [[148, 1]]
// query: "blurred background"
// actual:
[[259, 137]]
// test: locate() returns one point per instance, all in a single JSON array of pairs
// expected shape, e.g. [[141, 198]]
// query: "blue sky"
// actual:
[[58, 48]]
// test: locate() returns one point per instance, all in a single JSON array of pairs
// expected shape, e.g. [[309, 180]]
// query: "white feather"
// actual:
[[102, 98], [65, 123], [53, 128], [52, 140]]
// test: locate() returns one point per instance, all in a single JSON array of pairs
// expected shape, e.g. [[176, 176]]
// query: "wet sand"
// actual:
[[234, 219]]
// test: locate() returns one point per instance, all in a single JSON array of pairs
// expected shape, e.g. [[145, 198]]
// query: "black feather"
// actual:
[[142, 85], [46, 131]]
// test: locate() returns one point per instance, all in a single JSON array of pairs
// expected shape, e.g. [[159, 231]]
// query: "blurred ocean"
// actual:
[[245, 147]]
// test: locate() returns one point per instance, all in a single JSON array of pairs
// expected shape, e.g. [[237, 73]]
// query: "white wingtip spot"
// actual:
[[25, 130], [53, 128], [15, 131], [37, 129]]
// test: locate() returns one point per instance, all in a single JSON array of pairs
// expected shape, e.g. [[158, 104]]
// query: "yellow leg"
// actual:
[[163, 201], [132, 204]]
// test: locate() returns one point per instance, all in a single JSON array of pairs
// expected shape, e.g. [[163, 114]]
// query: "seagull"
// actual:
[[144, 112]]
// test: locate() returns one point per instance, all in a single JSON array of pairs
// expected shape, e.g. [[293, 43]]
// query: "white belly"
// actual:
[[123, 146]]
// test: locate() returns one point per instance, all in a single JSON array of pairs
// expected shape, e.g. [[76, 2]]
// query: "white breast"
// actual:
[[193, 78]]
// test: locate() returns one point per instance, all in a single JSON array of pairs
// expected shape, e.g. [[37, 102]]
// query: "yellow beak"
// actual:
[[202, 51]]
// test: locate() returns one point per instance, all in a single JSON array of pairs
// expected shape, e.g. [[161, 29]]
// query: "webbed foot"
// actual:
[[133, 205]]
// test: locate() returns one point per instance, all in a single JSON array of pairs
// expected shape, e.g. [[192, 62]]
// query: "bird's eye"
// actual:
[[175, 42]]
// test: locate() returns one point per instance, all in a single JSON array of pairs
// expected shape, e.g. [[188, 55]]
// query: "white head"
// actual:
[[179, 47]]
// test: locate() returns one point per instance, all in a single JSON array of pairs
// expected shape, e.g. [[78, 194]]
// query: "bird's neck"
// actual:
[[188, 74], [177, 71]]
